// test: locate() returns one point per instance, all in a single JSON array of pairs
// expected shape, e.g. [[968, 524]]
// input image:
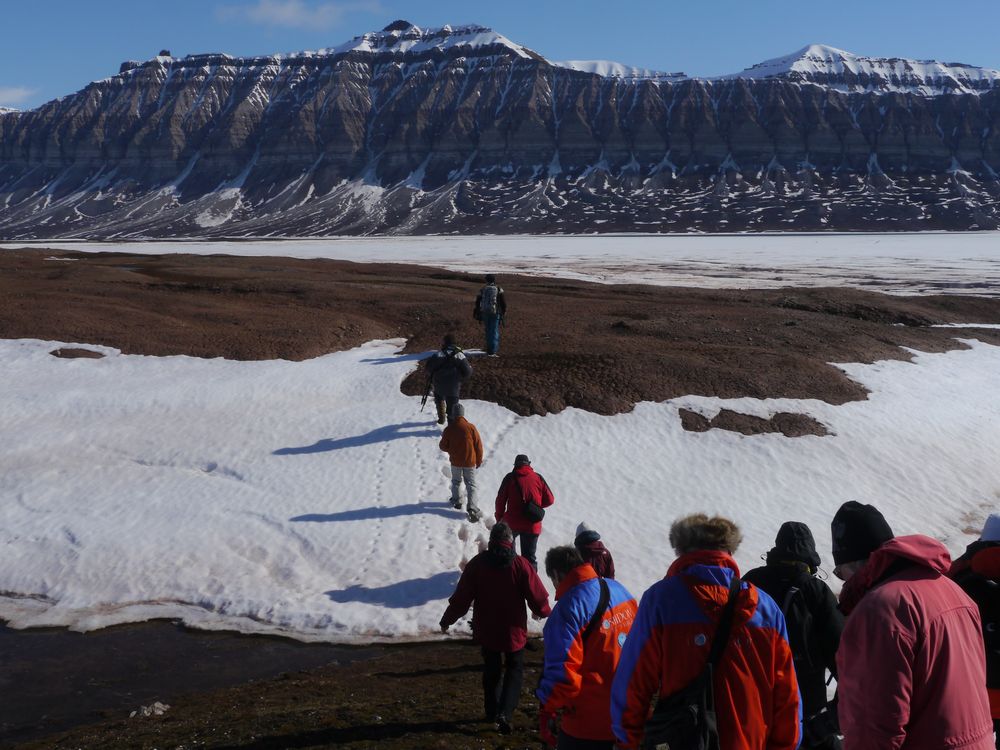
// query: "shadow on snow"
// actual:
[[444, 509], [397, 358], [379, 435], [400, 595]]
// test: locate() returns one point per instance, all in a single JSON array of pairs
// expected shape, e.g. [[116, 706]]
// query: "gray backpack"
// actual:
[[488, 299]]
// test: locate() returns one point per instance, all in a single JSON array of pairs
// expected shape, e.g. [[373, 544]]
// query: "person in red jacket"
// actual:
[[911, 669], [977, 571], [496, 584], [461, 441], [593, 551], [580, 658], [521, 486], [756, 693]]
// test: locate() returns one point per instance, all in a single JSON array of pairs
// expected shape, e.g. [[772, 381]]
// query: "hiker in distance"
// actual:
[[490, 309], [583, 643], [814, 625], [496, 584], [977, 571], [911, 668], [447, 369], [521, 502], [461, 441], [702, 629]]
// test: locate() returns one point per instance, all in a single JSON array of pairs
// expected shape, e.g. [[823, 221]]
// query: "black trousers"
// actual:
[[529, 543], [502, 683], [568, 742]]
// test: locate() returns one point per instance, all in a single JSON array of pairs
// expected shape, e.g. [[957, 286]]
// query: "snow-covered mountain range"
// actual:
[[410, 130]]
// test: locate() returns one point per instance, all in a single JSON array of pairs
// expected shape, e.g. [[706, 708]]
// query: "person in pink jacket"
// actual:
[[911, 665]]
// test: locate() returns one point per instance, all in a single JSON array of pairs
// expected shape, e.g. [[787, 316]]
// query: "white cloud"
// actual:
[[13, 96], [297, 13]]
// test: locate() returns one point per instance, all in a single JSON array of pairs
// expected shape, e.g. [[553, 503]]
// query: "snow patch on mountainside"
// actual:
[[845, 71], [609, 69], [403, 37]]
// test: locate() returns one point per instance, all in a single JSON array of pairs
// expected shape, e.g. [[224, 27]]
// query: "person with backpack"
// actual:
[[593, 551], [814, 625], [911, 668], [521, 502], [497, 584], [490, 309], [583, 642], [713, 648], [977, 571], [447, 369], [461, 441]]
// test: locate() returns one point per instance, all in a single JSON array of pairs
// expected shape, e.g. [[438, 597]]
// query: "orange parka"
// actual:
[[461, 441]]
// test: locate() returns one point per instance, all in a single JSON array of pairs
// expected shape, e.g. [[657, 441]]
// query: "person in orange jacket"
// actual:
[[580, 657], [756, 693], [461, 441]]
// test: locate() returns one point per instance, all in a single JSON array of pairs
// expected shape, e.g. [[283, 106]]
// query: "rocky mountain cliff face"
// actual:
[[461, 130]]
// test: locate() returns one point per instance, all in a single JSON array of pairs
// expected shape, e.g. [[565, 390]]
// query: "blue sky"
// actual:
[[50, 48]]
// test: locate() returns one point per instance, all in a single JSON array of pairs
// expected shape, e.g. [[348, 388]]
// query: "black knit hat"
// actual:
[[521, 460], [857, 531]]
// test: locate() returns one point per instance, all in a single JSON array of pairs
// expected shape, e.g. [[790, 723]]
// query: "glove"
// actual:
[[547, 727]]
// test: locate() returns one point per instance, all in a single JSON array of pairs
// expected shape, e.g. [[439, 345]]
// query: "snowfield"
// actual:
[[310, 499], [904, 263]]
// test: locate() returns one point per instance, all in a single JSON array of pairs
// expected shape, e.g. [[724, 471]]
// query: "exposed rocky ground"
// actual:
[[462, 130], [566, 343], [405, 697]]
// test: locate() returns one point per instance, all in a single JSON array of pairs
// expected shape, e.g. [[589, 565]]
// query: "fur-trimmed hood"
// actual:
[[700, 532]]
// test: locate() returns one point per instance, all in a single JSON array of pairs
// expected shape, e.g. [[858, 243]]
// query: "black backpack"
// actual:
[[799, 622], [531, 510], [686, 720]]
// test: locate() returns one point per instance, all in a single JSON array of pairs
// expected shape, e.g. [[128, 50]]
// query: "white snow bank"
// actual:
[[310, 499], [930, 263]]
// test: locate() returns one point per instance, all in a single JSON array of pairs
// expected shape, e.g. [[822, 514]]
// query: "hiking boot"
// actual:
[[456, 503], [475, 515], [503, 725]]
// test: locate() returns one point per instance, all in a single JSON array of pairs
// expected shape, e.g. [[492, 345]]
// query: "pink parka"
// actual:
[[911, 663]]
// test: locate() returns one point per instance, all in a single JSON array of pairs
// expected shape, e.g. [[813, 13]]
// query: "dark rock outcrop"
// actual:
[[461, 130]]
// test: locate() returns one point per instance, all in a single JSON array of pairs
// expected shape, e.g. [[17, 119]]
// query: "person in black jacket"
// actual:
[[447, 369], [814, 625], [977, 571]]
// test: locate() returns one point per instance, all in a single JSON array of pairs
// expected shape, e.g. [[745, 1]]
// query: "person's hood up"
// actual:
[[916, 549], [794, 542]]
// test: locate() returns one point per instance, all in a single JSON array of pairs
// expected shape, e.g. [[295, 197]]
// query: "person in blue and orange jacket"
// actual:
[[580, 661], [756, 693]]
